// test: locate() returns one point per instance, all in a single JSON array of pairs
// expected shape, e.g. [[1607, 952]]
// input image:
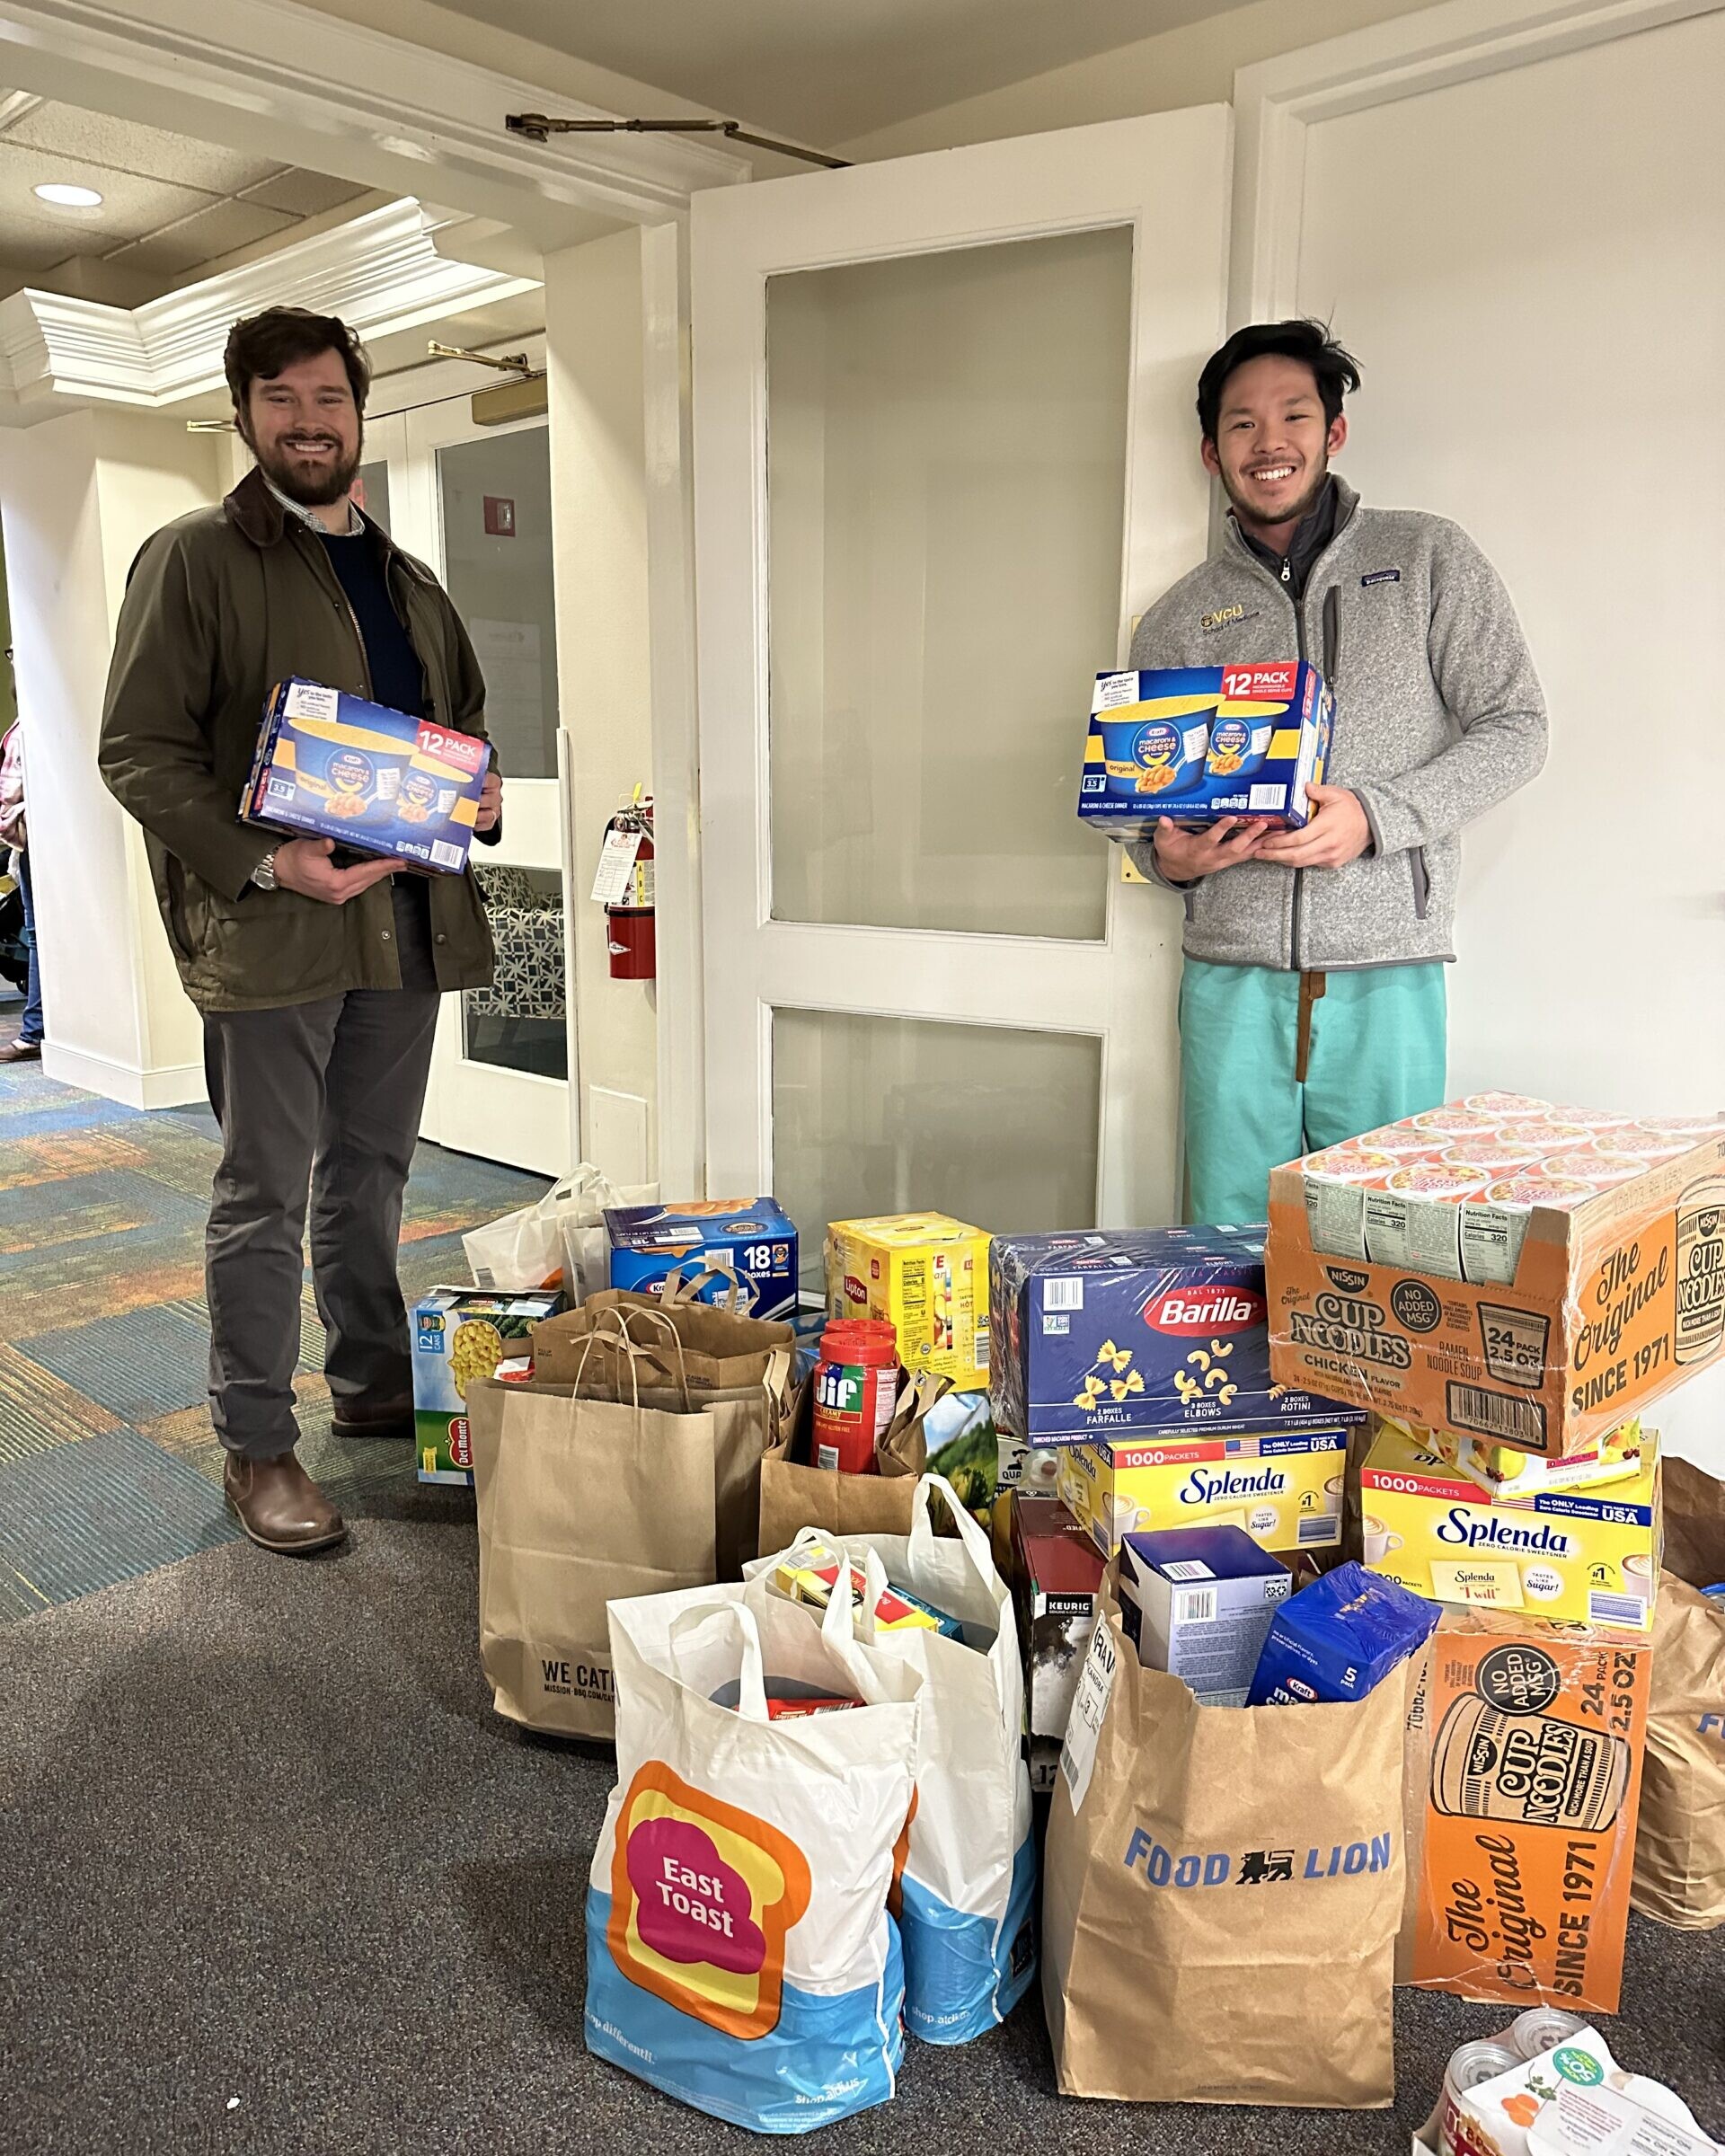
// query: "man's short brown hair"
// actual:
[[261, 345]]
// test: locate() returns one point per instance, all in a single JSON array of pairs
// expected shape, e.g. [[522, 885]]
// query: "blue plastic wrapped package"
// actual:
[[1338, 1638]]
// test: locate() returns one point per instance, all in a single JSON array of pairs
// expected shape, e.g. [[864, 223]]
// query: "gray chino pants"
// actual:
[[319, 1099]]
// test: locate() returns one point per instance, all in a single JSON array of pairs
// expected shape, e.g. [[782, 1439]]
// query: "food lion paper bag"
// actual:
[[969, 1882], [741, 1955], [1680, 1840], [1223, 1889]]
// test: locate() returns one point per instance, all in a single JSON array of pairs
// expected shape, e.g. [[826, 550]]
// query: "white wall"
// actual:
[[79, 495], [593, 328]]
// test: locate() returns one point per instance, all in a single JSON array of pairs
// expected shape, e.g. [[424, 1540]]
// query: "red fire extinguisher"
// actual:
[[629, 918]]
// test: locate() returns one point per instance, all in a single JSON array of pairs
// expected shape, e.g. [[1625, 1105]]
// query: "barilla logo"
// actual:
[[1260, 685], [1255, 1867], [1211, 1310], [1210, 1487], [1468, 1533], [855, 1291]]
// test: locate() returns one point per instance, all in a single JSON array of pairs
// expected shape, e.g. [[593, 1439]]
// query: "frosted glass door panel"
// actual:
[[495, 496], [890, 1115], [946, 458]]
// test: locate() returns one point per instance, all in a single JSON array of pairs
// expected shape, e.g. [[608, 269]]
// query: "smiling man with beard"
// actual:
[[1312, 1006], [318, 982]]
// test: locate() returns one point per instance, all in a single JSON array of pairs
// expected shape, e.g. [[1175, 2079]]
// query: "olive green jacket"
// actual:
[[220, 607]]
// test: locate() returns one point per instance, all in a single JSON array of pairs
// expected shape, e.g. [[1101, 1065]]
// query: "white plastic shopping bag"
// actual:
[[558, 1240], [741, 1955], [586, 1250], [969, 1889]]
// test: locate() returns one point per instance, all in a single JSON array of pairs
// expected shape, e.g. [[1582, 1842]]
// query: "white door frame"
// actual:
[[1277, 101]]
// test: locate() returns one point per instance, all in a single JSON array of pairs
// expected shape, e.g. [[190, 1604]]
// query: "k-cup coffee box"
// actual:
[[1586, 1556], [1200, 743], [753, 1237], [1525, 1758], [461, 1334], [1609, 1297], [1285, 1488], [927, 1276], [1056, 1571], [1198, 1601], [331, 766], [1111, 1331]]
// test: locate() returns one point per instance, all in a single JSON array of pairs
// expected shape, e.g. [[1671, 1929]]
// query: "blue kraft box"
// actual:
[[755, 1237], [1200, 743], [1116, 1330], [331, 766]]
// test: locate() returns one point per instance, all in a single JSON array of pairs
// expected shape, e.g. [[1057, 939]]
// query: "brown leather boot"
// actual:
[[279, 1505], [387, 1418]]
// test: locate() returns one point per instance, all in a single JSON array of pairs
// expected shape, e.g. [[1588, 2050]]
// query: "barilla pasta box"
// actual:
[[1582, 1556], [1539, 1310], [1524, 1766], [459, 1335], [1284, 1487], [1136, 1330], [926, 1276], [753, 1237], [331, 766], [1201, 743]]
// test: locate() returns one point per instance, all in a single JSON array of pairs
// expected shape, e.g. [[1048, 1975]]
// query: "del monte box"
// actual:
[[1617, 1294]]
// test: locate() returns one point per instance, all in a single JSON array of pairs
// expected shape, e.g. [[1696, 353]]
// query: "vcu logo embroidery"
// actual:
[[702, 1898], [1222, 617]]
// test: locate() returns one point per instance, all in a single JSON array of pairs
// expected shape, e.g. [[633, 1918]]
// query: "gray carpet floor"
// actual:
[[262, 1837]]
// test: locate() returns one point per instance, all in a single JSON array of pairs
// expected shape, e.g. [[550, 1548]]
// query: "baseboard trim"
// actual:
[[174, 1085]]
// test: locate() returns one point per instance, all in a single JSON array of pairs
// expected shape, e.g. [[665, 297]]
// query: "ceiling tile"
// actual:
[[200, 239], [127, 145], [301, 194], [130, 206]]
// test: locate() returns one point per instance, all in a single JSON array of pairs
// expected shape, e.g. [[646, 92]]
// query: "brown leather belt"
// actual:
[[1311, 987]]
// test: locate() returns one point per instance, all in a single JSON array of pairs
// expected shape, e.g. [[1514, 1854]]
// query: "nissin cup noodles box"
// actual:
[[1111, 1331], [331, 766], [1201, 743]]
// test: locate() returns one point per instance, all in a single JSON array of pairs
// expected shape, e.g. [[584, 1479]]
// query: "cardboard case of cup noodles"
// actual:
[[1539, 1310], [1524, 1775], [1114, 1331], [1200, 743]]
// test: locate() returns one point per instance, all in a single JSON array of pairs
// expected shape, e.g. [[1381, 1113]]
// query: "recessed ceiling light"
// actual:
[[64, 197]]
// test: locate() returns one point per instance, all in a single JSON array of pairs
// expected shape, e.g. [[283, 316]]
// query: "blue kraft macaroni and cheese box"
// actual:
[[1338, 1638], [1200, 743], [1198, 1601], [1118, 1331], [754, 1237], [331, 766]]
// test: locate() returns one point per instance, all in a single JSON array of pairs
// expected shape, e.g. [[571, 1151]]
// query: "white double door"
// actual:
[[474, 503], [944, 451]]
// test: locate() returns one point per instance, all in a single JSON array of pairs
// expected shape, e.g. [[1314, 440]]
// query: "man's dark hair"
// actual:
[[261, 346], [1336, 371]]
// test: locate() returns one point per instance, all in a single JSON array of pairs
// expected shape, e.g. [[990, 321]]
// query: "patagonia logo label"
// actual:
[[1223, 617], [1382, 576]]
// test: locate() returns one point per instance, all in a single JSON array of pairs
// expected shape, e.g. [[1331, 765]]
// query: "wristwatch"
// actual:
[[264, 874]]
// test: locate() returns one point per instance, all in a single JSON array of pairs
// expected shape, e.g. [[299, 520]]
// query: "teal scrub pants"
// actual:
[[1255, 1094]]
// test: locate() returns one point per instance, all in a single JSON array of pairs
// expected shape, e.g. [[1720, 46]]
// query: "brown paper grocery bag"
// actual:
[[1221, 1888], [715, 1349], [795, 1495], [581, 1501], [1680, 1838]]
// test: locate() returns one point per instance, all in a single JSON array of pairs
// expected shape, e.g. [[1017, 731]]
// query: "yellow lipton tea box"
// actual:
[[928, 1275], [1587, 1556], [1284, 1487]]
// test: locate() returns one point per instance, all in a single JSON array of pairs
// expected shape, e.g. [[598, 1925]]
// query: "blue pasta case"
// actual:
[[375, 780], [1196, 744], [1118, 1331]]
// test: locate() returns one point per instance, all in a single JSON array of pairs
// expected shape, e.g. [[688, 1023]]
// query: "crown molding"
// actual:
[[386, 270], [354, 101]]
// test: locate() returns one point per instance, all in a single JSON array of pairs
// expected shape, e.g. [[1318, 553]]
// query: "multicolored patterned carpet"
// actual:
[[108, 1464]]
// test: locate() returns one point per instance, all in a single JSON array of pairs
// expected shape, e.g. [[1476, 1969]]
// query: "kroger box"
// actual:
[[461, 1334], [1200, 743], [1587, 1556], [1284, 1486], [1136, 1329], [926, 1275], [332, 765], [1613, 1301], [754, 1238]]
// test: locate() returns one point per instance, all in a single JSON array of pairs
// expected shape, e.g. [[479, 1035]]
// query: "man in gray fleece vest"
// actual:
[[1312, 1006]]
